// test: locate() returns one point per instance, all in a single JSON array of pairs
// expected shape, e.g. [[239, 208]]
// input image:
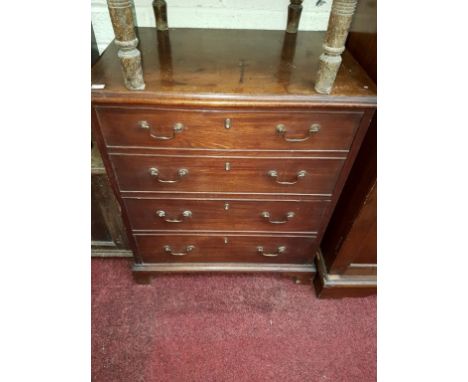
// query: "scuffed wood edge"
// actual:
[[223, 267], [111, 252], [336, 286]]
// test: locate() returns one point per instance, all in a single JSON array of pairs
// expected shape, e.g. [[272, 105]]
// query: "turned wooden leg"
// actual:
[[142, 278], [338, 27], [160, 14], [294, 15], [121, 15]]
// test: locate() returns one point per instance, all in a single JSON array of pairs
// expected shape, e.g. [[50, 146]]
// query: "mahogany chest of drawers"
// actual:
[[228, 160]]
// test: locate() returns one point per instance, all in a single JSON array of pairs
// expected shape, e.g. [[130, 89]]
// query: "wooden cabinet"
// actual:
[[348, 258], [347, 263], [108, 237], [229, 160]]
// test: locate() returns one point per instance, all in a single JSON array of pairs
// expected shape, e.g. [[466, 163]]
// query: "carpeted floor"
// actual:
[[225, 328]]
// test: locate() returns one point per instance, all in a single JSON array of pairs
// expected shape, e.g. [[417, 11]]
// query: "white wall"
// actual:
[[229, 14]]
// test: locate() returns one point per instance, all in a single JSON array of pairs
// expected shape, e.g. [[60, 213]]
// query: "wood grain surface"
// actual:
[[214, 129], [209, 174], [225, 248], [230, 67], [225, 215]]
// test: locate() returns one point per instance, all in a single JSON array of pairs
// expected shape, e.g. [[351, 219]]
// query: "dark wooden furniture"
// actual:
[[347, 264], [229, 160], [108, 236]]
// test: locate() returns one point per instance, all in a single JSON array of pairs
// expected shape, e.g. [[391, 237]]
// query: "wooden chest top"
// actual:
[[231, 68]]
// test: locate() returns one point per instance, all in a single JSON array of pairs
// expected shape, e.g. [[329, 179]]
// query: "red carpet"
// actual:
[[225, 328]]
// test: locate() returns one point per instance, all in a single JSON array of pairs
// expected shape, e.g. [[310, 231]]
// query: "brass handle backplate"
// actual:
[[177, 128], [279, 250], [188, 249], [274, 174], [163, 215], [266, 215], [313, 129], [181, 172]]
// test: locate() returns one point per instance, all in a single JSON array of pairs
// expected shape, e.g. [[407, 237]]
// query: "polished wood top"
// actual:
[[231, 68]]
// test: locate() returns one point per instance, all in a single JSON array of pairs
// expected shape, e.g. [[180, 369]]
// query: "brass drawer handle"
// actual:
[[162, 214], [177, 128], [188, 249], [281, 249], [313, 129], [181, 172], [289, 216], [274, 174]]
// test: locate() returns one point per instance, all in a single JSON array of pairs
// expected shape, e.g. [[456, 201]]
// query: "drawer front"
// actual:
[[226, 175], [228, 130], [225, 215], [229, 248]]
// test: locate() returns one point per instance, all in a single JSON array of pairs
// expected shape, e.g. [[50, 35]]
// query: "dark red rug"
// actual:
[[225, 328]]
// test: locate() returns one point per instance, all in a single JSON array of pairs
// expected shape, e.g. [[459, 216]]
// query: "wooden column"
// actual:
[[125, 38], [160, 14], [338, 27], [294, 15]]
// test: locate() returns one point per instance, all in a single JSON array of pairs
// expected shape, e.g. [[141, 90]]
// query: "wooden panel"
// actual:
[[362, 39], [246, 130], [100, 234], [361, 180], [208, 174], [360, 244], [228, 248], [107, 226], [363, 46], [225, 215], [108, 236]]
